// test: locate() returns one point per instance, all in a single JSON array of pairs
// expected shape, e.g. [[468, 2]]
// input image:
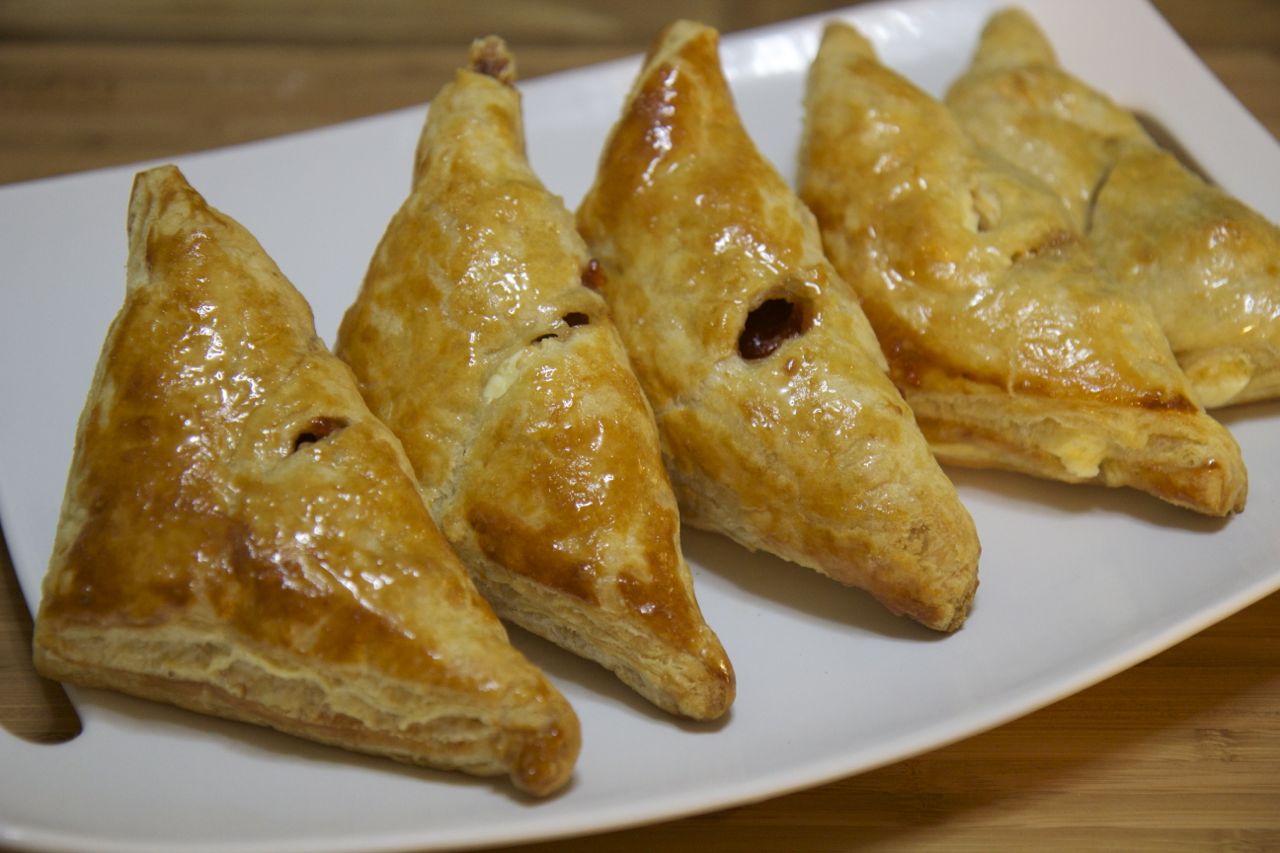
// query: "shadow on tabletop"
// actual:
[[38, 710]]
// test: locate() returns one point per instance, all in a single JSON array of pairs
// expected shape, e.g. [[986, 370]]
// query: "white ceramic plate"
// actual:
[[1077, 583]]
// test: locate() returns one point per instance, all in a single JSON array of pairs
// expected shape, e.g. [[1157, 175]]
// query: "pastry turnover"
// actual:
[[1011, 344], [779, 424], [1209, 266], [240, 536], [478, 338]]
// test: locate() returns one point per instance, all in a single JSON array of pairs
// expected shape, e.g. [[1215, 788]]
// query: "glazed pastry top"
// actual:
[[222, 484], [778, 420], [1205, 262], [480, 338], [970, 269]]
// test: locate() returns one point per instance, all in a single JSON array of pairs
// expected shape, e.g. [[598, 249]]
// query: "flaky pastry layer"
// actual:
[[211, 671]]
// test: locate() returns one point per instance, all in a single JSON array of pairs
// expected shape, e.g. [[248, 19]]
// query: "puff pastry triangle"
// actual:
[[240, 536], [1012, 345], [1205, 262], [478, 339], [779, 424]]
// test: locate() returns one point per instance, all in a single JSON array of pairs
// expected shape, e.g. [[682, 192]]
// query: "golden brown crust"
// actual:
[[1011, 344], [778, 422], [476, 339], [242, 537], [1204, 261]]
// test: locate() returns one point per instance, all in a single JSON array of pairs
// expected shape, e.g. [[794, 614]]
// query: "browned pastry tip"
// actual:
[[1010, 39], [491, 57]]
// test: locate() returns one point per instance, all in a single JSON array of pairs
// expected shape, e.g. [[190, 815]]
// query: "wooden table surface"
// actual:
[[1180, 752]]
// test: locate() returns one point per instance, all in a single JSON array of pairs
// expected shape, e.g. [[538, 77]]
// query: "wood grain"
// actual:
[[1181, 752]]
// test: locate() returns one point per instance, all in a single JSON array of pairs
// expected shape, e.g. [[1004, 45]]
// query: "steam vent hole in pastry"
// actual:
[[768, 326], [573, 318], [317, 429]]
